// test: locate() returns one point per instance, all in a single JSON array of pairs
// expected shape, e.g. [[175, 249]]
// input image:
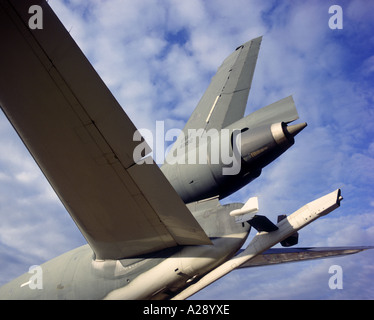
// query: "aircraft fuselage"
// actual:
[[78, 275]]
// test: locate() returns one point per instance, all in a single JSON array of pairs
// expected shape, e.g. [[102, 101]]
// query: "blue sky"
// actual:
[[158, 57]]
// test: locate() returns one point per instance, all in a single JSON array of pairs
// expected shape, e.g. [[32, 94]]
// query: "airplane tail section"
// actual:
[[287, 255], [264, 240], [225, 100], [283, 110]]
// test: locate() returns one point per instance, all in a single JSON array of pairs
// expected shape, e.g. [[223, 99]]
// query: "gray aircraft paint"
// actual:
[[144, 242]]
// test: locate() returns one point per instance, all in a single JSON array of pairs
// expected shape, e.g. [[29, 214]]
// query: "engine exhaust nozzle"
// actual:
[[296, 128]]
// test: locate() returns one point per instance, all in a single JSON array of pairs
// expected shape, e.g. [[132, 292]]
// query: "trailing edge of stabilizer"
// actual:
[[265, 240]]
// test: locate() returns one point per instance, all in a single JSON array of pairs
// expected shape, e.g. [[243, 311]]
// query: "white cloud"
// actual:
[[27, 177]]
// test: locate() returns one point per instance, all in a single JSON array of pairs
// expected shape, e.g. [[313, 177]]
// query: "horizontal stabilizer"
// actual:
[[282, 255]]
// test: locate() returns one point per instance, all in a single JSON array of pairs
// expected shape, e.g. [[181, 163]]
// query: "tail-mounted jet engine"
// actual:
[[252, 150], [262, 145]]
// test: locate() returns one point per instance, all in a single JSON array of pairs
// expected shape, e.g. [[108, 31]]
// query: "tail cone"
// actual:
[[296, 128]]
